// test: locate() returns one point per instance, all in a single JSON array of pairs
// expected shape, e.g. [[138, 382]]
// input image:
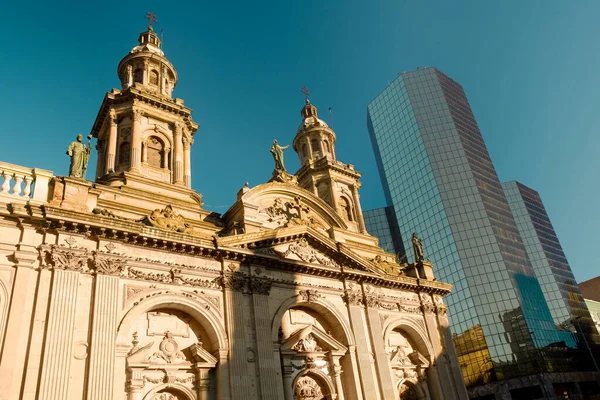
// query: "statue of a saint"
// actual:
[[277, 152], [80, 155], [417, 247]]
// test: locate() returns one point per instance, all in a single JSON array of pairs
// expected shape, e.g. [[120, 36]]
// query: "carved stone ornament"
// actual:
[[168, 219], [63, 258], [372, 300], [261, 286], [308, 389], [391, 268], [353, 298], [234, 282], [308, 344], [174, 276], [428, 308], [309, 295], [306, 253], [291, 213], [107, 265], [169, 351]]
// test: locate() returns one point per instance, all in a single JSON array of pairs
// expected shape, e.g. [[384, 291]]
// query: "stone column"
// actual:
[[288, 382], [333, 193], [187, 163], [18, 323], [178, 150], [202, 383], [144, 151], [112, 142], [223, 391], [270, 374], [136, 140], [357, 208], [146, 75], [236, 330], [358, 324], [337, 379], [351, 375], [129, 76], [54, 382], [103, 338], [381, 361]]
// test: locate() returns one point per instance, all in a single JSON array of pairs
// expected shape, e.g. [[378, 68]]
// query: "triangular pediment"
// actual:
[[311, 339], [299, 244]]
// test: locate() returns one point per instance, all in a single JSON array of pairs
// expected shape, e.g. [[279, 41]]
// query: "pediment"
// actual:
[[400, 358], [300, 244], [277, 205], [311, 339]]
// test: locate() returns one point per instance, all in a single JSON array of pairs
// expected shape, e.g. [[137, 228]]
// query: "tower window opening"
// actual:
[[156, 152], [138, 75], [304, 150], [346, 207], [326, 146], [154, 77], [124, 153], [316, 149]]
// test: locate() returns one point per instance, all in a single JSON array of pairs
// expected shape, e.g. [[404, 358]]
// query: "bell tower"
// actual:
[[141, 129], [321, 173]]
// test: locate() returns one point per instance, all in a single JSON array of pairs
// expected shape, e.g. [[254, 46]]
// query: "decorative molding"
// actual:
[[308, 254], [353, 298], [56, 257], [107, 265], [261, 286], [309, 295], [291, 213]]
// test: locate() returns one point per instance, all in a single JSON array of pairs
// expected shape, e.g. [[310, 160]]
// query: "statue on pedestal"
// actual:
[[80, 155], [277, 152], [417, 247], [280, 174]]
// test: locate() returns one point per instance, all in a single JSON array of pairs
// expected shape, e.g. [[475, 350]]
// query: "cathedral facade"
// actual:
[[126, 288]]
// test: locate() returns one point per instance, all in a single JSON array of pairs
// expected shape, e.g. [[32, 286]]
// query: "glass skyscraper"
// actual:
[[548, 259], [382, 224], [440, 182]]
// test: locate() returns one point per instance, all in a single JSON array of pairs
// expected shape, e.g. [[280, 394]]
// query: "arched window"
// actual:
[[138, 75], [304, 150], [154, 77], [326, 146], [124, 153], [155, 151], [316, 148], [346, 208]]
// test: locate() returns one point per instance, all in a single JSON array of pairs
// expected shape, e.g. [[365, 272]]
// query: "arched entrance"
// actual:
[[175, 345], [313, 342]]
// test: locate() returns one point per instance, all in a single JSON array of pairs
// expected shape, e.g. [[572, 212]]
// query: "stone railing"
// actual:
[[17, 182]]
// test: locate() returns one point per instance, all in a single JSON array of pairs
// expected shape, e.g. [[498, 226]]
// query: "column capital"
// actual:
[[137, 114], [112, 117]]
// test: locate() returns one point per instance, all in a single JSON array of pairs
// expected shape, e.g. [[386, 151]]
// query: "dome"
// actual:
[[310, 118], [148, 42]]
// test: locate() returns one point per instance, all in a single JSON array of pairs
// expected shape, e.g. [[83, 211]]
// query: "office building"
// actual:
[[438, 177]]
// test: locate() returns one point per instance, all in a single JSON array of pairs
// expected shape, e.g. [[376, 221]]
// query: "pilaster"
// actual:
[[112, 142], [136, 139], [363, 358], [54, 381], [102, 344], [381, 361], [270, 373], [178, 151], [18, 324]]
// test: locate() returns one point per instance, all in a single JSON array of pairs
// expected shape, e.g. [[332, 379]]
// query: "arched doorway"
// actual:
[[177, 346], [313, 345]]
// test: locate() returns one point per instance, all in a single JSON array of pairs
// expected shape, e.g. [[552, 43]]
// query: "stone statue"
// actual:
[[80, 155], [277, 152], [417, 247]]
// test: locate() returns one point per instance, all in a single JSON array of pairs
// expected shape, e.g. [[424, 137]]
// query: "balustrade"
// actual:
[[24, 183]]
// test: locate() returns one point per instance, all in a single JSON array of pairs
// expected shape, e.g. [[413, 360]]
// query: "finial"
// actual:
[[306, 94], [152, 18]]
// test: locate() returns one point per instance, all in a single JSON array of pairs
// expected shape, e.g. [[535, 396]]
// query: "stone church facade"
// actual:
[[127, 288]]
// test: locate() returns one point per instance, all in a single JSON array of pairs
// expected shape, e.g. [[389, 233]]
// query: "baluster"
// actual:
[[16, 190], [6, 185], [27, 189]]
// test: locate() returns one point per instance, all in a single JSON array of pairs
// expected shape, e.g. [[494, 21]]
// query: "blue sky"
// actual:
[[530, 70]]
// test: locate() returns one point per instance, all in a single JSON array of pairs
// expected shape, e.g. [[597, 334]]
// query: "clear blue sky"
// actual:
[[531, 70]]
